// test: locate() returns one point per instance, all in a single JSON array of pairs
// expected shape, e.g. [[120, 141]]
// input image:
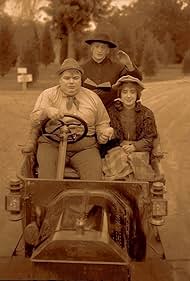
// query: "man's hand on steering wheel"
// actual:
[[53, 113], [75, 127]]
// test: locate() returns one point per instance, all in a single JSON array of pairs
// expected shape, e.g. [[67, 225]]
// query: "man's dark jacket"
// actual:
[[107, 72]]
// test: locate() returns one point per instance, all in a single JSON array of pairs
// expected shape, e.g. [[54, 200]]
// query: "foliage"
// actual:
[[141, 35], [162, 17], [8, 52], [182, 40], [77, 14], [116, 25], [168, 21], [169, 48], [186, 63], [82, 49], [47, 54], [2, 2], [73, 16], [149, 58], [161, 53]]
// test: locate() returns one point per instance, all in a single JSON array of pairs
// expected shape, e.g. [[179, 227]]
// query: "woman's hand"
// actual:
[[106, 135], [128, 148]]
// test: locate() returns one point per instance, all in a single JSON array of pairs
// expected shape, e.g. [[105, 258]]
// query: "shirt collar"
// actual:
[[101, 63]]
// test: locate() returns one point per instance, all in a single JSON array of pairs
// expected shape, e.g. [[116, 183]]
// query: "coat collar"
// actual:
[[119, 106], [138, 106]]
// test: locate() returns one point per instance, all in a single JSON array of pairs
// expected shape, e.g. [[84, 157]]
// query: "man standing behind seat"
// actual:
[[53, 103], [100, 72]]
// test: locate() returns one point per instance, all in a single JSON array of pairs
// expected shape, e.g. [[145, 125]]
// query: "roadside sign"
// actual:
[[21, 70], [23, 78]]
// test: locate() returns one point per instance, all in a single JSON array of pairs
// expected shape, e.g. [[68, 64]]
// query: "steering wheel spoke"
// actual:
[[77, 128]]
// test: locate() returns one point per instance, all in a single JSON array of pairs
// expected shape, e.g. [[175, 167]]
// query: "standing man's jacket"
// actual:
[[100, 77]]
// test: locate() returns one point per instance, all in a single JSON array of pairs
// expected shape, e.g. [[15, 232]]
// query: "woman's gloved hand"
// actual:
[[128, 148]]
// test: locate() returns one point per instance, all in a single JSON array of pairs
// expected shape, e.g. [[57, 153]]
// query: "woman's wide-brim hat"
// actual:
[[127, 79], [70, 64], [102, 38]]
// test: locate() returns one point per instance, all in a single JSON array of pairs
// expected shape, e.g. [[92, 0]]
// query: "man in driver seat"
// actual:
[[70, 98]]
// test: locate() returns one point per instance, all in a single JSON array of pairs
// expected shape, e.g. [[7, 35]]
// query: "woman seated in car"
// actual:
[[135, 130]]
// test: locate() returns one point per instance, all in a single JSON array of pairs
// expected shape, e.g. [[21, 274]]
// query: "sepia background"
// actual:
[[39, 35]]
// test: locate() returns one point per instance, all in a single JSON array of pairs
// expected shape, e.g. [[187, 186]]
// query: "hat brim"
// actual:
[[110, 44], [60, 71], [119, 83]]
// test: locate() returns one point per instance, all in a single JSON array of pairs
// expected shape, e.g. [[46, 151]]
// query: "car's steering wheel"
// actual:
[[77, 128]]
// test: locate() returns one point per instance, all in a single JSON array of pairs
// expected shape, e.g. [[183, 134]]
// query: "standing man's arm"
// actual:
[[130, 68], [135, 72]]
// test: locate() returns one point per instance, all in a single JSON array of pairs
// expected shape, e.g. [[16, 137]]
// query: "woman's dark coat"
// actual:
[[146, 129]]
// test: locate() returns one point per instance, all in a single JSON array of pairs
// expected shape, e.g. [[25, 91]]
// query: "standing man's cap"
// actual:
[[128, 78], [69, 64], [102, 38]]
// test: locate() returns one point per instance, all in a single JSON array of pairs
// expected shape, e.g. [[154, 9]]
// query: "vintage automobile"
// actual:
[[84, 230]]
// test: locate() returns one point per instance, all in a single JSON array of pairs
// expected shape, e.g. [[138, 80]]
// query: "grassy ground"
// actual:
[[48, 77]]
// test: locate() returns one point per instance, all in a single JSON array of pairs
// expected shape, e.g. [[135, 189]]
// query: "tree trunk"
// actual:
[[71, 53], [57, 50]]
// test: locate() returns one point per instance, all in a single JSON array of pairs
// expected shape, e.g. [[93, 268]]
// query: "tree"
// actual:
[[47, 54], [29, 56], [63, 50], [82, 49], [141, 35], [149, 59], [161, 53], [186, 63], [29, 61], [169, 49], [161, 17], [121, 32], [8, 52], [182, 40], [2, 3], [71, 16]]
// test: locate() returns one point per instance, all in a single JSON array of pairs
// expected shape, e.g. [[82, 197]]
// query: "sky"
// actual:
[[121, 2]]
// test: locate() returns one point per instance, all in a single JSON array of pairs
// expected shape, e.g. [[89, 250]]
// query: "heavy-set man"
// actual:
[[69, 97]]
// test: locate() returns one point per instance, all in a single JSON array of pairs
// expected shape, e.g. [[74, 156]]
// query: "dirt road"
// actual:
[[171, 103]]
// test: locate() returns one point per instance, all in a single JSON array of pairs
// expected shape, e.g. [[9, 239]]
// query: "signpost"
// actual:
[[23, 77], [22, 70]]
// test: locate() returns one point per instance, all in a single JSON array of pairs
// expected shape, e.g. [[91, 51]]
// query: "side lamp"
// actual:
[[158, 203], [13, 200]]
